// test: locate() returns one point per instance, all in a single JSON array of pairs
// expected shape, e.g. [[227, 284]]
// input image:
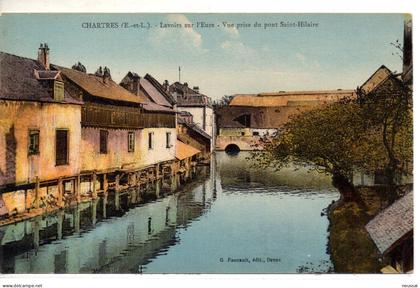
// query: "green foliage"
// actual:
[[336, 138]]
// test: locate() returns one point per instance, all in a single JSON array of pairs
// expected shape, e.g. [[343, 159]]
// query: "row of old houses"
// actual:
[[67, 135]]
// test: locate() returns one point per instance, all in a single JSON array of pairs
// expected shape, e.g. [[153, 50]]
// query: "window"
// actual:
[[168, 140], [256, 133], [131, 142], [103, 141], [151, 140], [33, 147], [58, 91], [61, 147]]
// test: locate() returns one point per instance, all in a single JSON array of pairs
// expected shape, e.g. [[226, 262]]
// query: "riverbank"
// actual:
[[350, 247]]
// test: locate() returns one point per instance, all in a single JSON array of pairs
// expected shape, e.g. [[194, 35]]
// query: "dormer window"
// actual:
[[58, 90]]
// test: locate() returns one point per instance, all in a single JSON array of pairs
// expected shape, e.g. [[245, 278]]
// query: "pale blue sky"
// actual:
[[341, 53]]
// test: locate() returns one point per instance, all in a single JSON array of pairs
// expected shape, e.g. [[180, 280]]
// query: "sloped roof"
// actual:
[[150, 106], [153, 93], [168, 98], [184, 151], [380, 75], [95, 86], [18, 80], [276, 99], [392, 223], [195, 128]]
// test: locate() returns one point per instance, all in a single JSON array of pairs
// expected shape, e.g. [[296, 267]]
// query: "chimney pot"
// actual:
[[43, 56]]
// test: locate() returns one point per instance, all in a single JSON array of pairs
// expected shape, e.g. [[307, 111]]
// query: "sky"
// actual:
[[340, 53]]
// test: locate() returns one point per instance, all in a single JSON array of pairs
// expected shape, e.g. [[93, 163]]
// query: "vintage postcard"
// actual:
[[206, 143]]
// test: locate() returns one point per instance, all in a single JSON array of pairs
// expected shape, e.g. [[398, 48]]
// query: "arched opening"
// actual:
[[232, 149]]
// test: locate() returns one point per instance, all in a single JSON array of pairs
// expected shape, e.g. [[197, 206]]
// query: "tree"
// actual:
[[388, 106], [370, 134], [322, 138]]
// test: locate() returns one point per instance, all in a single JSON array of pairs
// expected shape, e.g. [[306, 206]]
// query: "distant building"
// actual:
[[196, 103], [392, 232], [248, 117]]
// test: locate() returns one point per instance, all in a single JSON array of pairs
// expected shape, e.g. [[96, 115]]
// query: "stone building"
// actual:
[[61, 127], [158, 102], [196, 103], [39, 129], [247, 117]]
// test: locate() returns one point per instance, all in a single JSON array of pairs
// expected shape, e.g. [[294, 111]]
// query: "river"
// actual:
[[229, 219]]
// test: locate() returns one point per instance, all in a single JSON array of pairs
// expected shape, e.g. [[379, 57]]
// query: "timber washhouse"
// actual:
[[70, 136]]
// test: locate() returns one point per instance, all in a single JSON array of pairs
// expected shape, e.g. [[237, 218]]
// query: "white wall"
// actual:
[[159, 152]]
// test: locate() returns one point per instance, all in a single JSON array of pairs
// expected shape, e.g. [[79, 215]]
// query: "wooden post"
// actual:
[[76, 219], [60, 217], [37, 198], [35, 228], [94, 194], [105, 184], [117, 192], [157, 187], [77, 188], [173, 183], [157, 171], [60, 190], [104, 201], [94, 209]]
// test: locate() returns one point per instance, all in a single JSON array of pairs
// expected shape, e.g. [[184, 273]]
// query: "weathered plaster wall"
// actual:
[[117, 156], [16, 119]]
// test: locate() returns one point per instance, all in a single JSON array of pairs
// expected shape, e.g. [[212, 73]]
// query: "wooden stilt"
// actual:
[[60, 191], [94, 209], [60, 218], [105, 184], [117, 192], [36, 226], [37, 196], [94, 193], [77, 188]]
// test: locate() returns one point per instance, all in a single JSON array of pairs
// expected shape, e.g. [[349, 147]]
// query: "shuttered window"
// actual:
[[61, 147], [58, 91], [33, 147], [131, 142], [151, 140], [103, 141], [168, 140]]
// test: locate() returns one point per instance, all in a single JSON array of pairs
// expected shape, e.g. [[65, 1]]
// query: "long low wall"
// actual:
[[244, 143]]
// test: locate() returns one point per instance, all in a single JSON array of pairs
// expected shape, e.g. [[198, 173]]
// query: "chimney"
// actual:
[[99, 72], [107, 75], [43, 56], [166, 85], [196, 89], [136, 84]]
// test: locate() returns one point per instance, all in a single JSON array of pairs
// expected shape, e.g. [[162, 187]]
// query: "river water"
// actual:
[[229, 219]]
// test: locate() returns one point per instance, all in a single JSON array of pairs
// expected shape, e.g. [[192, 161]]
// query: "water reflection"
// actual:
[[228, 211]]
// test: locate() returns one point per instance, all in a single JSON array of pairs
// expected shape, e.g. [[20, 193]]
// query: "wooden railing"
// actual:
[[112, 116]]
